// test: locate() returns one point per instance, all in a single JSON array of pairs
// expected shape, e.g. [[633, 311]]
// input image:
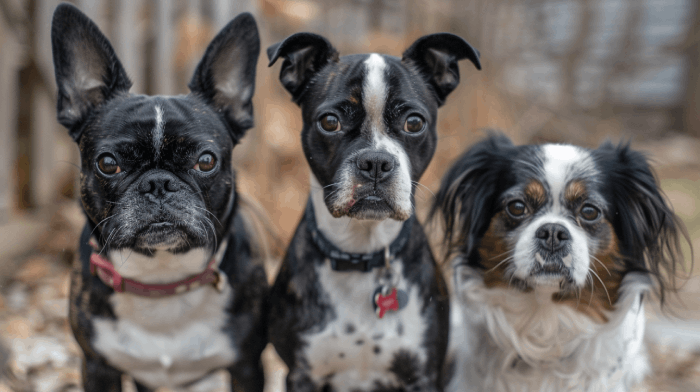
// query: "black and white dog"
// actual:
[[359, 304], [556, 248], [166, 288]]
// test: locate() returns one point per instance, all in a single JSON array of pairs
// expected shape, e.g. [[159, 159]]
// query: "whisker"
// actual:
[[503, 261], [601, 263], [127, 258], [604, 288], [418, 183], [102, 221], [504, 253], [588, 277], [208, 212], [109, 238]]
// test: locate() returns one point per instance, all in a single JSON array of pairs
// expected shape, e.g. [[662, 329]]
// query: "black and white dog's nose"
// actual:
[[159, 183], [553, 236], [375, 165]]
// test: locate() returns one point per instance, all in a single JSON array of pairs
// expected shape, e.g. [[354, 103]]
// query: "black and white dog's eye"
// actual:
[[589, 213], [414, 124], [516, 208], [330, 123], [205, 163], [107, 164]]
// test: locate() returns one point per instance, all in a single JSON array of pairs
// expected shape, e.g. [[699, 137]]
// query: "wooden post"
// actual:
[[127, 41], [8, 118], [163, 54], [691, 109]]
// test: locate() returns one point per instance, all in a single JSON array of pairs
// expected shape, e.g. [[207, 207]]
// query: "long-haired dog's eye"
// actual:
[[516, 208], [589, 213]]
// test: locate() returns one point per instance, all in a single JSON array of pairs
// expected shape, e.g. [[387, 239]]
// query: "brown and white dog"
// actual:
[[556, 249]]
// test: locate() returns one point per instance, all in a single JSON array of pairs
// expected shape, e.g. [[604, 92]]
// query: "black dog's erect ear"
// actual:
[[87, 70], [468, 194], [225, 77], [649, 232], [304, 54], [436, 56]]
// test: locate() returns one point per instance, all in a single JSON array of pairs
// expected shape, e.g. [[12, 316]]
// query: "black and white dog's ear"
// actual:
[[649, 232], [304, 54], [225, 76], [436, 56], [87, 70], [469, 191]]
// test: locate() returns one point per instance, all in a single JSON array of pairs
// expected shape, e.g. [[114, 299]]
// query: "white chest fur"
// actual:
[[167, 341], [502, 340], [357, 347]]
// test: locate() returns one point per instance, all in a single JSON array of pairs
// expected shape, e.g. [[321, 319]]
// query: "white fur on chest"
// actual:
[[503, 340], [358, 347], [167, 341]]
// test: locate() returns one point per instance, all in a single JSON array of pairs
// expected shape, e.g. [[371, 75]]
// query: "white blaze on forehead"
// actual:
[[158, 131], [560, 162], [374, 92]]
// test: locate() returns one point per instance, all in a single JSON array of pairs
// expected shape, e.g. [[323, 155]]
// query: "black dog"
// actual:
[[165, 288], [359, 303]]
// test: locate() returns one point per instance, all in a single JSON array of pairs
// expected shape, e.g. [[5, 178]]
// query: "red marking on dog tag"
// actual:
[[385, 303]]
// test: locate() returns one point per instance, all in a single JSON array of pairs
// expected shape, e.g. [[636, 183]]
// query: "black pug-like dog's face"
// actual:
[[156, 171], [369, 119]]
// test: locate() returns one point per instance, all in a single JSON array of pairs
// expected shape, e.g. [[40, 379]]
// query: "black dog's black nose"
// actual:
[[159, 183], [553, 236], [375, 165]]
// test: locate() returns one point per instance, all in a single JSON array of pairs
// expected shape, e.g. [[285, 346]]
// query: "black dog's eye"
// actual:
[[107, 164], [414, 124], [206, 163], [516, 208], [589, 213], [330, 123]]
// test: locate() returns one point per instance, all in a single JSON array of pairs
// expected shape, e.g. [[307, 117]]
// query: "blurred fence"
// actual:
[[554, 70]]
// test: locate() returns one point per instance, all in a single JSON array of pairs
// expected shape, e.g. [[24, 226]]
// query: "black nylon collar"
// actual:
[[343, 261]]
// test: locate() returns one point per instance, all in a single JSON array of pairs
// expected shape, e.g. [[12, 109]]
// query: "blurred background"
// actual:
[[574, 71]]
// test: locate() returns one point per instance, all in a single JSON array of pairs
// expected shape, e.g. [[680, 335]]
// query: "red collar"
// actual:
[[102, 268]]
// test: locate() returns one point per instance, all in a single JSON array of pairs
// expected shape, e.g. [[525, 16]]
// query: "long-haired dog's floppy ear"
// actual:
[[436, 57], [87, 70], [225, 77], [304, 54], [468, 194], [648, 230]]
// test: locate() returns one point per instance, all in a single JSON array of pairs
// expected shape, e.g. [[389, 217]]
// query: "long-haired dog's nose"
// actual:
[[553, 236]]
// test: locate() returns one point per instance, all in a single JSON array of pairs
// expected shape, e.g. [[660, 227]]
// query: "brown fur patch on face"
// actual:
[[494, 249], [355, 94], [575, 191], [601, 293], [535, 193]]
